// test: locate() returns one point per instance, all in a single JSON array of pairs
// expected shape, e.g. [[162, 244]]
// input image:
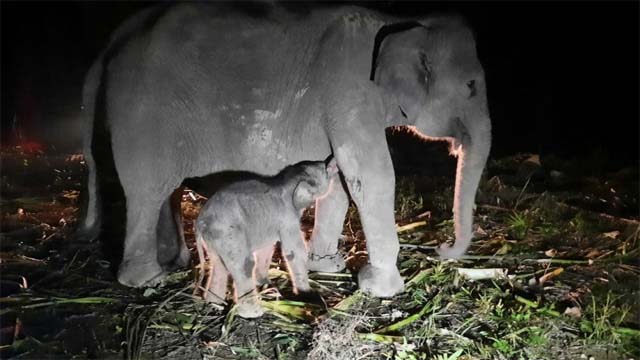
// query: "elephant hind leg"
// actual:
[[240, 263], [140, 260], [216, 287], [145, 195]]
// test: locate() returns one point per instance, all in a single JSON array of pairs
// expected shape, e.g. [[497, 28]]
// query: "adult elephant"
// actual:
[[193, 89]]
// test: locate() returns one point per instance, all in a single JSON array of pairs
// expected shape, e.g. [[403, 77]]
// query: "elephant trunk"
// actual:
[[472, 152]]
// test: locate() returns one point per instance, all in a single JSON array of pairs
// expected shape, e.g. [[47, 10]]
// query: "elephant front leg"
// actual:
[[369, 175], [295, 252], [329, 219], [140, 260], [263, 258]]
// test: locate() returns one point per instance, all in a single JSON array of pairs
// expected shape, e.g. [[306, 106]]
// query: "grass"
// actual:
[[408, 201], [602, 323], [519, 225]]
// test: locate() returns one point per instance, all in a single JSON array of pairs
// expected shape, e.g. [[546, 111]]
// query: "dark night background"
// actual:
[[562, 77]]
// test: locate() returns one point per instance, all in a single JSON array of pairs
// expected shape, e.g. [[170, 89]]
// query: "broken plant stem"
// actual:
[[520, 259], [350, 301], [535, 305], [505, 258], [406, 321], [316, 275], [515, 207], [419, 247], [384, 339], [410, 226], [290, 326]]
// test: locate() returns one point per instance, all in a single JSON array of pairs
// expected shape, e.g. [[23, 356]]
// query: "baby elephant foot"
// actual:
[[248, 306], [380, 282], [326, 263], [447, 251], [138, 273]]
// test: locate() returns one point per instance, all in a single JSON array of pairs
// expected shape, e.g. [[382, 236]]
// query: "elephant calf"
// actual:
[[240, 224]]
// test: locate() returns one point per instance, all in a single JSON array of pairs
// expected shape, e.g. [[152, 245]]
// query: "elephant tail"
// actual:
[[98, 156], [91, 217]]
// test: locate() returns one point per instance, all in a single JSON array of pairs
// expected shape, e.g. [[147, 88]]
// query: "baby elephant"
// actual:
[[240, 224]]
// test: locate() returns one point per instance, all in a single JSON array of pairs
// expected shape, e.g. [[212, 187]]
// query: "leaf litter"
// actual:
[[553, 273]]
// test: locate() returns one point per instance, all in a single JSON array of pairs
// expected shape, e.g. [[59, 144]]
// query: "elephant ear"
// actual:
[[304, 194], [403, 68]]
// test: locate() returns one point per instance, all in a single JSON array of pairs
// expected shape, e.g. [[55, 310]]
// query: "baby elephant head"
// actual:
[[313, 182]]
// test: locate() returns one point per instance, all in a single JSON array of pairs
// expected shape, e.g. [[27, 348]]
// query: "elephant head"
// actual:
[[433, 82], [313, 182]]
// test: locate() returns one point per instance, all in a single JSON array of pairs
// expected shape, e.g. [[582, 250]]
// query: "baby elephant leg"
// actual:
[[218, 280], [215, 290], [240, 263], [263, 261], [295, 252]]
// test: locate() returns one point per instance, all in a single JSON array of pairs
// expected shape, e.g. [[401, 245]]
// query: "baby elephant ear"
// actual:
[[332, 167], [303, 195]]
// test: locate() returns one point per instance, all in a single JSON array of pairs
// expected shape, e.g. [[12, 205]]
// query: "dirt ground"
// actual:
[[553, 273]]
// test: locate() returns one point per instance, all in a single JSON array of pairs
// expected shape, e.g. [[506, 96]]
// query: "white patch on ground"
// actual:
[[301, 93], [223, 107], [265, 115]]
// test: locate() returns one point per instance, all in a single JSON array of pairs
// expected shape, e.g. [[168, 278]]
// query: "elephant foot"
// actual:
[[184, 258], [137, 274], [180, 261], [86, 234], [326, 263], [447, 251], [248, 306], [380, 282]]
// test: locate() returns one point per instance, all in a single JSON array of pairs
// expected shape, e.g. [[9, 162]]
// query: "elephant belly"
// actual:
[[198, 95], [263, 142]]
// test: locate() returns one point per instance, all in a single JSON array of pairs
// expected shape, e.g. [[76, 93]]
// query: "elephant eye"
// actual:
[[471, 85]]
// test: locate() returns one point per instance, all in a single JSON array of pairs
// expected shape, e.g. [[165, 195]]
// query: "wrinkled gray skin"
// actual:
[[247, 218], [195, 89]]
